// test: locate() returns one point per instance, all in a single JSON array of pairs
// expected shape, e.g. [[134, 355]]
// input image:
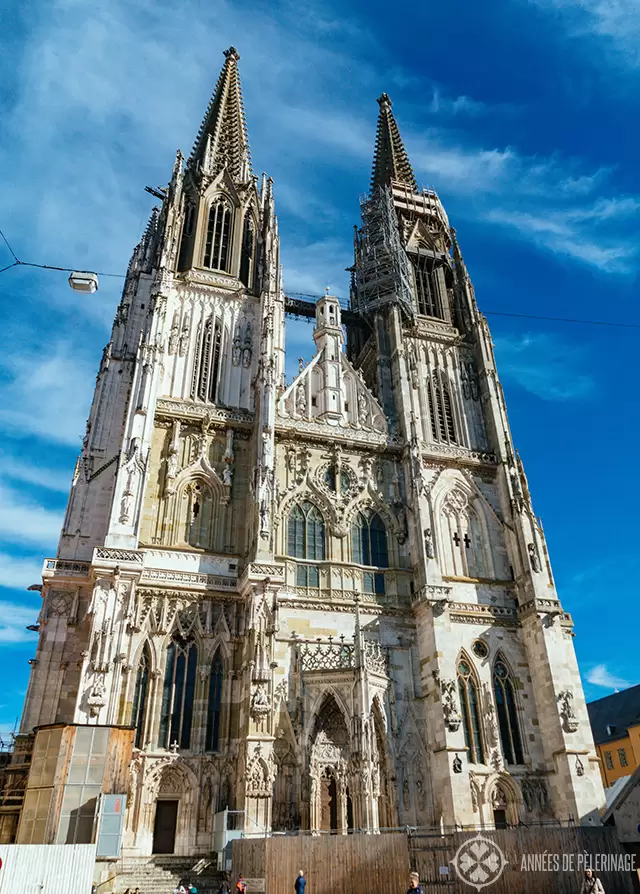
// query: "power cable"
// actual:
[[490, 313]]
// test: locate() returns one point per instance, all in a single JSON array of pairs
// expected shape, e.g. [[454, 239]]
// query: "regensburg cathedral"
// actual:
[[325, 603]]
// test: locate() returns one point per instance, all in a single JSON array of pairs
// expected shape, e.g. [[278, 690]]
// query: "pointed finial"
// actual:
[[384, 100], [232, 53], [326, 290]]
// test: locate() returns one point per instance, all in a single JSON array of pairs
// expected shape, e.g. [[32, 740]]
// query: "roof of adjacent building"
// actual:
[[617, 712]]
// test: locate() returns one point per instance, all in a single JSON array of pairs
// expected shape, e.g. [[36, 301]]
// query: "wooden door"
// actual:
[[164, 829]]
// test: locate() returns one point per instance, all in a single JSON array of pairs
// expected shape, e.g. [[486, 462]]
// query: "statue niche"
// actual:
[[328, 769]]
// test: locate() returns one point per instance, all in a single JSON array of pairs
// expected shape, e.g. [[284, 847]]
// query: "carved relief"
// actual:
[[567, 713], [450, 707]]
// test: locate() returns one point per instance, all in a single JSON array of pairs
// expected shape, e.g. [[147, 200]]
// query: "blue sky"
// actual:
[[521, 113]]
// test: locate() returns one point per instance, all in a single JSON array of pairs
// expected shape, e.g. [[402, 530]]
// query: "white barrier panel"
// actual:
[[47, 868]]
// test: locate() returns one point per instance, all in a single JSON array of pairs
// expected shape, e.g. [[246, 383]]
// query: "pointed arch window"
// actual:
[[206, 370], [507, 714], [330, 480], [369, 541], [214, 705], [470, 710], [306, 540], [248, 251], [139, 712], [443, 427], [200, 514], [218, 237], [427, 285], [176, 713]]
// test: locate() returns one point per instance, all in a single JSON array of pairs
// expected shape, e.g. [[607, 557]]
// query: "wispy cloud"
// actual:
[[544, 365], [14, 619], [600, 676], [49, 479], [46, 393], [23, 520], [18, 573], [615, 23]]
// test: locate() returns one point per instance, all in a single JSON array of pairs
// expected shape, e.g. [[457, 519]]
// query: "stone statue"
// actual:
[[450, 708], [301, 398], [428, 544], [533, 557], [569, 719]]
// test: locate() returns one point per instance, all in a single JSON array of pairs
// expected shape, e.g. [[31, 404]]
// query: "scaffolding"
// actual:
[[382, 268], [15, 762]]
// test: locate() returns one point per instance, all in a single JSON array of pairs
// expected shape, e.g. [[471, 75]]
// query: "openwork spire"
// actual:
[[222, 138], [390, 161]]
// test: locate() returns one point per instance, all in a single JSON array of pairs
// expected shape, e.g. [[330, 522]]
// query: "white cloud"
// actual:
[[46, 393], [600, 676], [544, 365], [18, 573], [615, 23], [23, 520], [14, 619], [49, 479]]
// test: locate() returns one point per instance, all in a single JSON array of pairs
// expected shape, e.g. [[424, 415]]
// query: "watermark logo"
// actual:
[[479, 862]]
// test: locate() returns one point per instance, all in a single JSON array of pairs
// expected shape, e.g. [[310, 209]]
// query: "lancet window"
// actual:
[[214, 705], [463, 538], [248, 252], [218, 236], [470, 710], [443, 426], [427, 284], [200, 514], [176, 714], [507, 714], [206, 370], [369, 547], [139, 712], [306, 540]]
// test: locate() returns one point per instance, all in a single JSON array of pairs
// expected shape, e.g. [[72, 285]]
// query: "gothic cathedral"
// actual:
[[325, 603]]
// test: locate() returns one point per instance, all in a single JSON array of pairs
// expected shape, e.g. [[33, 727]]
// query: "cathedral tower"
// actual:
[[327, 603]]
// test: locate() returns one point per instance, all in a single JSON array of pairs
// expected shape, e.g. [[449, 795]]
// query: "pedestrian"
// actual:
[[241, 885], [179, 889], [300, 883], [591, 884], [414, 884], [191, 889], [136, 891], [224, 886]]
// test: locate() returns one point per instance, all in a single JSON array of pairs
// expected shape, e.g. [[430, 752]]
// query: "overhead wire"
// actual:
[[492, 313]]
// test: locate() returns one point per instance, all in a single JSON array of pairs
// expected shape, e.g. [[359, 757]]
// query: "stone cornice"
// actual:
[[171, 407]]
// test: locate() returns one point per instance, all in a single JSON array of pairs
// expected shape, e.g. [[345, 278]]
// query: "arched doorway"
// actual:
[[328, 803], [329, 761]]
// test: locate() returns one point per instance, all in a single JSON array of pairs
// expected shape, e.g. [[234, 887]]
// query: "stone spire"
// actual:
[[222, 139], [390, 161]]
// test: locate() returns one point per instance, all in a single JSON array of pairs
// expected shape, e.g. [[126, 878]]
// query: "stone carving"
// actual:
[[259, 703], [457, 764], [569, 719], [534, 793], [96, 700], [450, 707], [236, 350], [533, 557], [428, 544], [328, 656], [421, 794], [406, 794], [58, 603], [246, 349], [579, 767], [174, 334], [301, 398]]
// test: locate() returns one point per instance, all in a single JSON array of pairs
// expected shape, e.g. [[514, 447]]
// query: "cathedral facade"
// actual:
[[327, 603]]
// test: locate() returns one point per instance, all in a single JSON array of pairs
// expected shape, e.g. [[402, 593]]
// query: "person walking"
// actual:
[[591, 883], [300, 883], [241, 885], [414, 884], [224, 886]]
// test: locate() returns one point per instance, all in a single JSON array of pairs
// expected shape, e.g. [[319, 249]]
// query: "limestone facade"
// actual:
[[328, 603]]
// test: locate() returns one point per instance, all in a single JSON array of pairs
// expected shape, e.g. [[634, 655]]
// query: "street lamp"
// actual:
[[83, 281]]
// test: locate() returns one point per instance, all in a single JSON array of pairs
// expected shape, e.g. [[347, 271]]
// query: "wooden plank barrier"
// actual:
[[544, 860]]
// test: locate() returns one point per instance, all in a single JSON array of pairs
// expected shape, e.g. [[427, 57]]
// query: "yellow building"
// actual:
[[615, 722]]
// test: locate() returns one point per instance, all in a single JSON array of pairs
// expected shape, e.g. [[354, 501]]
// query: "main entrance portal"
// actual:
[[328, 805]]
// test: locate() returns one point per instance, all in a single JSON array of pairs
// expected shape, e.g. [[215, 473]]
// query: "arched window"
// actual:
[[369, 541], [214, 707], [139, 712], [507, 714], [427, 287], [206, 369], [176, 714], [200, 512], [218, 239], [443, 426], [248, 251], [305, 540], [470, 710], [369, 547]]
